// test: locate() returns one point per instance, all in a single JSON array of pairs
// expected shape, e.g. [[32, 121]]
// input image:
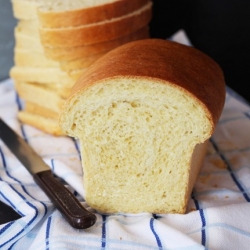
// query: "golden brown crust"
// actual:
[[73, 53], [88, 15], [177, 64], [99, 32]]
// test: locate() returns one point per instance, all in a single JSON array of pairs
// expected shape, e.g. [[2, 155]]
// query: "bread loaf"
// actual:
[[143, 114]]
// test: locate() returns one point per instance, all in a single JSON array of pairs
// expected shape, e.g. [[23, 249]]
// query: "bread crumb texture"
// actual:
[[137, 142], [137, 137]]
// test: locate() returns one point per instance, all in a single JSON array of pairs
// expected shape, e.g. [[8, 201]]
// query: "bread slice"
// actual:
[[42, 123], [29, 58], [36, 109], [143, 113], [47, 76], [61, 13], [96, 32], [28, 28], [73, 53], [27, 41], [26, 58], [25, 9], [40, 95]]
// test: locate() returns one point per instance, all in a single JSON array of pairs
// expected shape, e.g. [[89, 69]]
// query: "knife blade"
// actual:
[[69, 206]]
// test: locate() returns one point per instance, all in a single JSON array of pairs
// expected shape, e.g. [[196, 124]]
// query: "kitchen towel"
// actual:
[[218, 214]]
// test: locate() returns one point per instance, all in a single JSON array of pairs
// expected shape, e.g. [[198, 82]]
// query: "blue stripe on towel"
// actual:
[[23, 133], [52, 165], [6, 227], [12, 245], [18, 102], [48, 232], [203, 221], [104, 219], [158, 241]]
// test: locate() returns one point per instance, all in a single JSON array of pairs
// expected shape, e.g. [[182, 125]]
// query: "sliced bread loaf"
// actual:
[[143, 113]]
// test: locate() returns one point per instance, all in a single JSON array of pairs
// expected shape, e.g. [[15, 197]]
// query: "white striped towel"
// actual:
[[218, 215]]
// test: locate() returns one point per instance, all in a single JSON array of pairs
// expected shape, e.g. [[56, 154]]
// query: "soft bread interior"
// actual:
[[137, 139]]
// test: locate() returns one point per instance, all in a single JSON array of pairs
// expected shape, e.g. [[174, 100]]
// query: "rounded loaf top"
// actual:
[[167, 61]]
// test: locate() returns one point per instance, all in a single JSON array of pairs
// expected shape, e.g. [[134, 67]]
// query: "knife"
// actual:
[[72, 210]]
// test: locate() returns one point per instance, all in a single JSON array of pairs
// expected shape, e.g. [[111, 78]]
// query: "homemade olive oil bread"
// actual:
[[143, 114]]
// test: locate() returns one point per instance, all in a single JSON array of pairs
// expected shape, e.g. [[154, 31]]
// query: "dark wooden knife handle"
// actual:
[[65, 201]]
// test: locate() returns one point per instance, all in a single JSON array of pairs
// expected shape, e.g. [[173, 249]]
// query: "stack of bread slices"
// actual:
[[56, 41]]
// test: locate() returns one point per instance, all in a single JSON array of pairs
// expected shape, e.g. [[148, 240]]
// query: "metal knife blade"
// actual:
[[77, 216]]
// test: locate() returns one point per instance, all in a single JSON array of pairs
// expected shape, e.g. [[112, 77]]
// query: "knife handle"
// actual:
[[65, 201]]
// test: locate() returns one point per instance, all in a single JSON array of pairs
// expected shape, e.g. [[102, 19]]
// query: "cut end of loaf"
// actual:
[[137, 136]]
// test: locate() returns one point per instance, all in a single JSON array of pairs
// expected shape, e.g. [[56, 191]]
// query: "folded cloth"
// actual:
[[218, 215]]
